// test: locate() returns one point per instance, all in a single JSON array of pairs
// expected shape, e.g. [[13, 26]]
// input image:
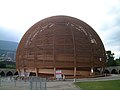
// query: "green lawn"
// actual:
[[100, 85]]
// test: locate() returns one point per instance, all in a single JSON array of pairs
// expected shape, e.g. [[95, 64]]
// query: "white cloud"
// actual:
[[19, 15]]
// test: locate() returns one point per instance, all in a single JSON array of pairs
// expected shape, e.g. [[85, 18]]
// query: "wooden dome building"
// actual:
[[61, 43]]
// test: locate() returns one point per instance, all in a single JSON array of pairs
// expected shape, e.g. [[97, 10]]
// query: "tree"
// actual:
[[110, 59], [2, 65], [118, 61]]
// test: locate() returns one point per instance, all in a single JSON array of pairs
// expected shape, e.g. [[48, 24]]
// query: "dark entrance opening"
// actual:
[[16, 73], [9, 73], [32, 74], [114, 71], [2, 74], [106, 71]]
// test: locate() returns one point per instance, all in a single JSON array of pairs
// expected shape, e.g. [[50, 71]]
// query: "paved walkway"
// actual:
[[61, 85], [69, 84], [112, 77]]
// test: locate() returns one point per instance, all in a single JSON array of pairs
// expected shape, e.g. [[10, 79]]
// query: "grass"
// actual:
[[100, 85]]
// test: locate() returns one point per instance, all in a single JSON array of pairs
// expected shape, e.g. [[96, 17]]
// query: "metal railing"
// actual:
[[29, 83], [37, 83]]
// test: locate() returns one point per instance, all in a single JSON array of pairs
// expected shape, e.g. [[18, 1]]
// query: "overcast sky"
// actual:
[[17, 16]]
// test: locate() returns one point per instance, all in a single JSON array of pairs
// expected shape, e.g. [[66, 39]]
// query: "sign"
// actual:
[[58, 74]]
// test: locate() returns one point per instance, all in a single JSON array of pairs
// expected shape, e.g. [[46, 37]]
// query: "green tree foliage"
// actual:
[[110, 59], [2, 65], [118, 61], [7, 64]]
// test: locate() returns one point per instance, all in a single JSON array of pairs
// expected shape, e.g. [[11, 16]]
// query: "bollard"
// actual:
[[31, 85], [0, 81], [45, 84], [74, 80], [15, 82], [36, 85], [40, 86]]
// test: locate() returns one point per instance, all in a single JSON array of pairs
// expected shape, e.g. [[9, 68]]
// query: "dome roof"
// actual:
[[60, 41]]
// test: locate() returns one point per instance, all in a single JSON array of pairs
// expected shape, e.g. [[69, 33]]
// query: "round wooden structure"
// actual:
[[60, 43]]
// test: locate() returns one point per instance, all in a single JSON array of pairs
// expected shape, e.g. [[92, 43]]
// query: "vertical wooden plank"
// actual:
[[36, 70]]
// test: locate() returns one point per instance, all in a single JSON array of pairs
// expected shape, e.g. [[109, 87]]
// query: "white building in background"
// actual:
[[10, 56]]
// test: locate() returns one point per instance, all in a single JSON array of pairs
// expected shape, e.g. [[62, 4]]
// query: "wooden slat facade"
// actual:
[[60, 42]]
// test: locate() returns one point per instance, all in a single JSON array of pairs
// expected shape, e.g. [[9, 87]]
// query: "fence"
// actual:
[[37, 83], [30, 83]]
